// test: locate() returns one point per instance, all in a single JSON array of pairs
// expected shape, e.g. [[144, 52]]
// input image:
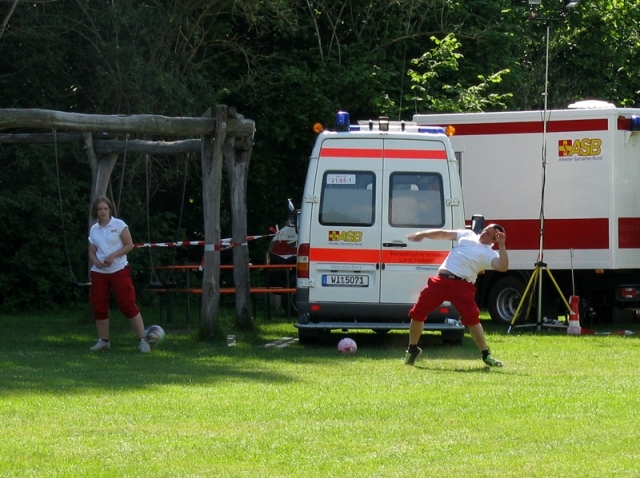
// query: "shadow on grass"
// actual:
[[393, 345], [50, 353]]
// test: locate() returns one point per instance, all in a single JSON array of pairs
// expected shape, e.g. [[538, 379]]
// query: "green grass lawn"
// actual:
[[561, 406]]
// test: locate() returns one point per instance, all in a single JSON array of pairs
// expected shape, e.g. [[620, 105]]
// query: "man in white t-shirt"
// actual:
[[455, 283]]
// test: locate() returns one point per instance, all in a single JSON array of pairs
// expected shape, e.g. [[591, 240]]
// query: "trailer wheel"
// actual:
[[504, 300]]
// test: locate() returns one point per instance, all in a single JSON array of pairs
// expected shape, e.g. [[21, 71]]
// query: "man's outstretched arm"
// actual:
[[436, 234]]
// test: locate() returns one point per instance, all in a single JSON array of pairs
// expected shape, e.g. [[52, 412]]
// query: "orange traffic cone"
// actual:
[[574, 317]]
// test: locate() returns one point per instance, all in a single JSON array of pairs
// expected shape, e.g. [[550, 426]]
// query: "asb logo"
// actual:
[[580, 147], [345, 236]]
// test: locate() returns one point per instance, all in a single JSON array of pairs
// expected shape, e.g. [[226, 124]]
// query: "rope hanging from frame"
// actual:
[[72, 278], [153, 281], [171, 280]]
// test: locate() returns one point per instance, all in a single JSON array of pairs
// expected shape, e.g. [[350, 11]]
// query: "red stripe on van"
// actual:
[[414, 257], [629, 232], [368, 153], [375, 153], [333, 254], [369, 256], [415, 153], [524, 234], [530, 127]]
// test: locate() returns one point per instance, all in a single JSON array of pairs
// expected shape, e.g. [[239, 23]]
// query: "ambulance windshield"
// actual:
[[347, 198], [416, 200]]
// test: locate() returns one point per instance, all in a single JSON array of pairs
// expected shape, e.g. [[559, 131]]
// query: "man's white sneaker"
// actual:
[[101, 345], [491, 362], [145, 348]]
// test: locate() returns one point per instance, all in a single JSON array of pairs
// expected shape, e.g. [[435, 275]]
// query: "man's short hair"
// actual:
[[497, 226]]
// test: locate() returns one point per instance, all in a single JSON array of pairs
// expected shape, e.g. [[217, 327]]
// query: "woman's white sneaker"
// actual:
[[145, 348], [101, 345]]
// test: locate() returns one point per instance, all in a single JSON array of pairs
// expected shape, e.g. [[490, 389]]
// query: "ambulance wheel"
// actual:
[[293, 305], [308, 336], [452, 337], [504, 300]]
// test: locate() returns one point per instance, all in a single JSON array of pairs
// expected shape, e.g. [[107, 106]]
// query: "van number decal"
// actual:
[[345, 236], [341, 179]]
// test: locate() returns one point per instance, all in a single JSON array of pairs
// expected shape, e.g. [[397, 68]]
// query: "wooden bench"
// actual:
[[169, 291]]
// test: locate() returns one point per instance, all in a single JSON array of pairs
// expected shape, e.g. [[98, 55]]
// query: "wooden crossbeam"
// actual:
[[139, 124]]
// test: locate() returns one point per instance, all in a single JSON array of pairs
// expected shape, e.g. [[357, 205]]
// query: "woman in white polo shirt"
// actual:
[[109, 242]]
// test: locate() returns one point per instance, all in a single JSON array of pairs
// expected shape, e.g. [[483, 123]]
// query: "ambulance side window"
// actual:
[[347, 198], [416, 200]]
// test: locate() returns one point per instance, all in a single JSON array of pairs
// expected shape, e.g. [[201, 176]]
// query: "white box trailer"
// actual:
[[590, 207]]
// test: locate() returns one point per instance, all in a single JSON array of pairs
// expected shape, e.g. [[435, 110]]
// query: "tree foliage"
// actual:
[[286, 64], [433, 89]]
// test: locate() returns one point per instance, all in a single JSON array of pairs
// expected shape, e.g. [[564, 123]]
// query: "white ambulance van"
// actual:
[[367, 187], [588, 192]]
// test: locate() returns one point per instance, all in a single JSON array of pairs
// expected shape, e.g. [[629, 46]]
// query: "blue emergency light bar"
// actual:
[[431, 129], [342, 121], [635, 123], [343, 124]]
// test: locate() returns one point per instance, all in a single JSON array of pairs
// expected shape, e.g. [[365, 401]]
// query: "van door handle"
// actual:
[[394, 244]]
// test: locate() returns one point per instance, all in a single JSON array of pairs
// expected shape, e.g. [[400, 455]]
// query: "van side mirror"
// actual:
[[293, 215], [477, 223]]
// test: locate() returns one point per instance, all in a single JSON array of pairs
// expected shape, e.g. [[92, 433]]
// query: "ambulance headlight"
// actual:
[[635, 123], [342, 121]]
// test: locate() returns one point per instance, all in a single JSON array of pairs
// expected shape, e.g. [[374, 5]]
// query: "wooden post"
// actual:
[[101, 168], [211, 183], [237, 154]]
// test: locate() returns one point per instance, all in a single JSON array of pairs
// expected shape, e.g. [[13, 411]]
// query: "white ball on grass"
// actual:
[[347, 346], [154, 334]]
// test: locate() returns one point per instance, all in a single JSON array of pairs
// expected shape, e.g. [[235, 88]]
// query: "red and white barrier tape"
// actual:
[[614, 332], [222, 245], [170, 244]]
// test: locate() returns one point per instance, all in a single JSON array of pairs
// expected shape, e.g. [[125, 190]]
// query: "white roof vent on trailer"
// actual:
[[591, 105]]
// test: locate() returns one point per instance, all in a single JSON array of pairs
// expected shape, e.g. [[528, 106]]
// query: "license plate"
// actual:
[[345, 280]]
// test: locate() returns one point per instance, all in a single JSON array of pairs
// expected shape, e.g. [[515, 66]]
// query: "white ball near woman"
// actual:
[[154, 334]]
